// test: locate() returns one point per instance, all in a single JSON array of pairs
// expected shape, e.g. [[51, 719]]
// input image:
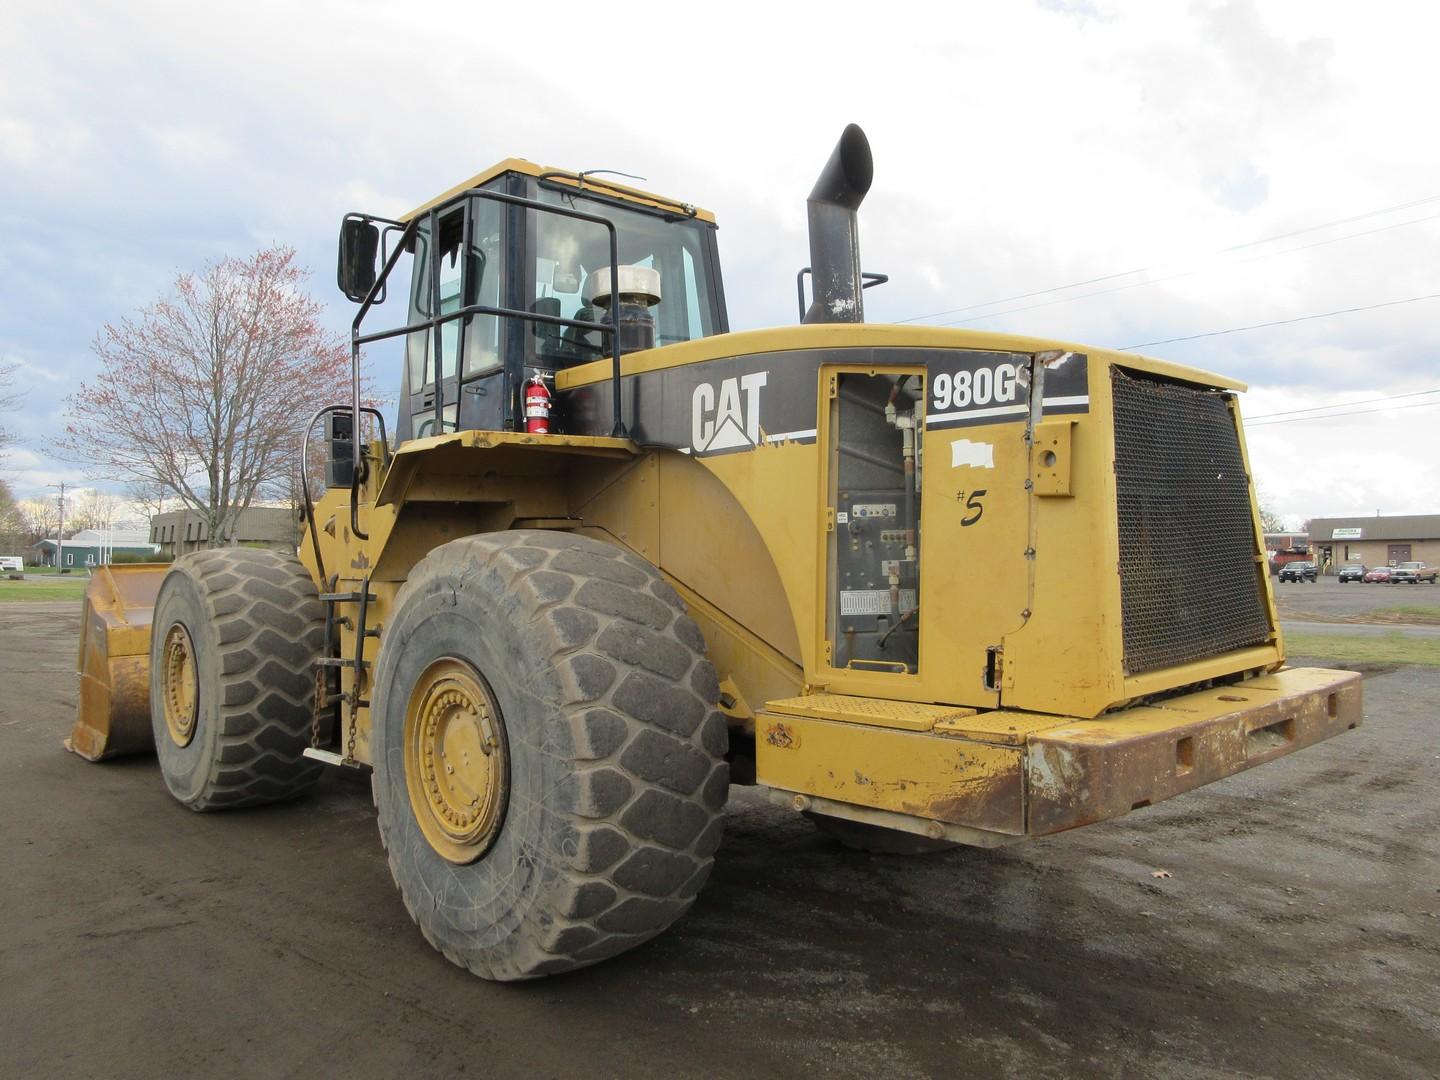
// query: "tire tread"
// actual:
[[271, 627], [640, 842]]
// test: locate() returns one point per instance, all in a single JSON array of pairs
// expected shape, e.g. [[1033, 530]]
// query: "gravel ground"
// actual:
[[1296, 934], [1328, 599]]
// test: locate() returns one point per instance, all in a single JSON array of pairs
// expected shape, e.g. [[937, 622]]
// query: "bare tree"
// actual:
[[203, 394], [39, 518], [10, 399], [93, 509], [148, 498], [1270, 520], [11, 523]]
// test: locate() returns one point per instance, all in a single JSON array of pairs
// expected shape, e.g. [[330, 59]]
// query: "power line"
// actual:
[[1025, 296], [1222, 251], [1281, 322], [1342, 221], [1345, 404], [1181, 274], [1357, 412]]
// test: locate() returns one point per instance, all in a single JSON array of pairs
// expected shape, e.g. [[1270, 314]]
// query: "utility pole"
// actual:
[[60, 532]]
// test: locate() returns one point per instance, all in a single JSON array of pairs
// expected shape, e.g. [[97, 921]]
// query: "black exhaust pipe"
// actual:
[[834, 233]]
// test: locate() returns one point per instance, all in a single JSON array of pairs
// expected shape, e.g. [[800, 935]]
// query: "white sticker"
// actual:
[[977, 455], [841, 517], [873, 601]]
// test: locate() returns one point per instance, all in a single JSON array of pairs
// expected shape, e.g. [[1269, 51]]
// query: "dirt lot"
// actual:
[[1297, 936]]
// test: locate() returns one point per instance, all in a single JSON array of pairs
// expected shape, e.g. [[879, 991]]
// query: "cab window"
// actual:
[[569, 251], [469, 273]]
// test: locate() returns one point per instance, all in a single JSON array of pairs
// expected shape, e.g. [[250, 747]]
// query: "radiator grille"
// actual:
[[1189, 585]]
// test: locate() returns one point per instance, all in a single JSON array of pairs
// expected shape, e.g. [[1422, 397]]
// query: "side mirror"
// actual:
[[355, 269]]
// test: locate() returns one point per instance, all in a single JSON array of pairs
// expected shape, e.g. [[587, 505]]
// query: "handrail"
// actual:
[[436, 320], [868, 279], [305, 479]]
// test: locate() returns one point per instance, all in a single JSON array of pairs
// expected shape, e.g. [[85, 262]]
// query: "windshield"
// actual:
[[568, 251]]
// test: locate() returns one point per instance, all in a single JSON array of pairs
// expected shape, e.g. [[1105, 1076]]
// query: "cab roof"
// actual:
[[566, 178]]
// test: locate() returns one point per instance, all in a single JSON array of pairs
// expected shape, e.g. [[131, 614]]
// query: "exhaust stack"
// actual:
[[834, 233]]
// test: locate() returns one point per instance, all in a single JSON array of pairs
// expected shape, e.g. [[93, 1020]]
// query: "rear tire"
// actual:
[[591, 681], [233, 645]]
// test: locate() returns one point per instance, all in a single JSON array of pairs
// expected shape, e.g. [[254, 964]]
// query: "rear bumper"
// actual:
[[1091, 770], [996, 777]]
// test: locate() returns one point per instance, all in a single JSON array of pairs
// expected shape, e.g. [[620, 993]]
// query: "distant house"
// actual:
[[90, 547], [1282, 548], [1377, 541], [181, 531], [1289, 541]]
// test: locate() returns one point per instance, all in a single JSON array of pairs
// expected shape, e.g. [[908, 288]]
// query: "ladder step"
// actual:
[[329, 757], [346, 597], [340, 661]]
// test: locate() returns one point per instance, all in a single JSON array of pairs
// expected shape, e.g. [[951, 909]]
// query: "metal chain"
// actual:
[[354, 710], [358, 688], [322, 691]]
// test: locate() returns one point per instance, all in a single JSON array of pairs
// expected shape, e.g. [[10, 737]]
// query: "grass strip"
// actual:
[[1381, 648], [21, 591]]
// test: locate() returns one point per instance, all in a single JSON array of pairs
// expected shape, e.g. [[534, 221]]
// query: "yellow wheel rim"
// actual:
[[456, 761], [180, 698]]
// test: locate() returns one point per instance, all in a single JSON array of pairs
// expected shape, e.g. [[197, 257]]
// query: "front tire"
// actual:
[[591, 823], [234, 640]]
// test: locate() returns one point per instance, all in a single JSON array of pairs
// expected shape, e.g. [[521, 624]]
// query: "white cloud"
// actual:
[[188, 146], [18, 143], [1017, 148]]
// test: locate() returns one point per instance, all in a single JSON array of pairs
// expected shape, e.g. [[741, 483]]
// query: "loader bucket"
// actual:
[[114, 714]]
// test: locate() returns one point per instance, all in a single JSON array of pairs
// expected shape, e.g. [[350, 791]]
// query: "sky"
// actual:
[[1113, 174]]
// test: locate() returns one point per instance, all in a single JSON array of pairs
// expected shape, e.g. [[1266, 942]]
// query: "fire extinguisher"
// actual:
[[537, 405]]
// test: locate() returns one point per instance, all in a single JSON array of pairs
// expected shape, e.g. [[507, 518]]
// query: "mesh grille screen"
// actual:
[[1188, 581]]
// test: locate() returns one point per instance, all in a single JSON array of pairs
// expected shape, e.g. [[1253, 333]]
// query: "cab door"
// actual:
[[463, 268]]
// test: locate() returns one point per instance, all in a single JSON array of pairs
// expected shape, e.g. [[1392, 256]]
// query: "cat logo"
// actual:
[[730, 419]]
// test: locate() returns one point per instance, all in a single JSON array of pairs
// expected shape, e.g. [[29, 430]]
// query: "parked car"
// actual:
[[1380, 573], [1412, 573], [1351, 572], [1299, 571]]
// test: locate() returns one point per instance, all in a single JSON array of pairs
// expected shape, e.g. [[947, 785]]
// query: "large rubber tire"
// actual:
[[257, 628], [616, 771], [875, 840]]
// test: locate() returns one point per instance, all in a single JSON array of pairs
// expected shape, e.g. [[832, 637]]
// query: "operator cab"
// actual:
[[526, 253]]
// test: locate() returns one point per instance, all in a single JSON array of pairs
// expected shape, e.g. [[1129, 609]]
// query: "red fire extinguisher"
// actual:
[[537, 405]]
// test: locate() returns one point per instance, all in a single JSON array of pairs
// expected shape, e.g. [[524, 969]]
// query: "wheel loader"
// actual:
[[926, 586]]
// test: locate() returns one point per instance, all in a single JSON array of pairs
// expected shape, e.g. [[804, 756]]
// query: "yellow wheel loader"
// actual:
[[927, 586]]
